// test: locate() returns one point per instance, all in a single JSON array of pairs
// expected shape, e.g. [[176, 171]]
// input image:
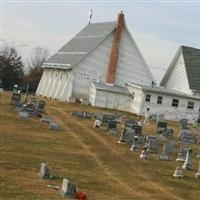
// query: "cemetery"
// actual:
[[90, 157]]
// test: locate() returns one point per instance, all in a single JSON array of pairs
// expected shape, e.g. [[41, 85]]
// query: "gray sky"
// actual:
[[157, 27]]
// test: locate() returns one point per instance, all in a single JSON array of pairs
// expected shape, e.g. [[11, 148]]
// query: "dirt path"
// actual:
[[74, 126]]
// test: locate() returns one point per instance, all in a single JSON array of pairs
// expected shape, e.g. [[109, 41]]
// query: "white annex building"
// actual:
[[179, 93], [103, 64]]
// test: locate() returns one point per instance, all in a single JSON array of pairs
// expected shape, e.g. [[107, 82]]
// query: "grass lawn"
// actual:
[[91, 159]]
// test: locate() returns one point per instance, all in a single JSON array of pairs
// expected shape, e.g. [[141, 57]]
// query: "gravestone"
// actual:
[[160, 118], [129, 123], [184, 123], [137, 129], [106, 118], [160, 126], [46, 119], [97, 123], [34, 102], [53, 125], [129, 136], [67, 190], [167, 149], [188, 161], [198, 172], [16, 97], [178, 173], [23, 114], [152, 144], [186, 136], [182, 154], [112, 127], [44, 171], [41, 106], [166, 133], [144, 155]]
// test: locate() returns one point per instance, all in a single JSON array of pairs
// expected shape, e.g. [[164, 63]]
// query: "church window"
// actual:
[[175, 102], [148, 98]]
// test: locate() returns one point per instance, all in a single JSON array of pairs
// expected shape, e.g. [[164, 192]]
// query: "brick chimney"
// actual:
[[112, 65]]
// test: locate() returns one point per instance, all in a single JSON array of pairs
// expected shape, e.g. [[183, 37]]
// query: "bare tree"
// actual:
[[11, 67], [38, 57]]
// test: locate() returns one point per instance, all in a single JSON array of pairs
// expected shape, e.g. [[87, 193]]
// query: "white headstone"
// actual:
[[23, 114], [44, 171], [188, 161], [178, 173], [67, 190]]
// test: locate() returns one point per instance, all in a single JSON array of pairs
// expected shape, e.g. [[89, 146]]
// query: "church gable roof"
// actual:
[[192, 65], [191, 58], [81, 45]]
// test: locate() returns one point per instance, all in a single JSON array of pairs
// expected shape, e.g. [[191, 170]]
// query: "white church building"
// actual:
[[103, 64], [104, 52]]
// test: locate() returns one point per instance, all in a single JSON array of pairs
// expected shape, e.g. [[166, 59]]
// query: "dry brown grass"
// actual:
[[91, 159]]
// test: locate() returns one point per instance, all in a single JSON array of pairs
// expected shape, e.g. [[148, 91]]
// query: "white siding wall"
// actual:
[[111, 100], [136, 102], [171, 113], [42, 82], [178, 78], [131, 66], [93, 67]]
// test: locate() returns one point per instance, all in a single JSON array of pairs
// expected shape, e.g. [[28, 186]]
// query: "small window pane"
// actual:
[[159, 100], [148, 98], [175, 102], [190, 105]]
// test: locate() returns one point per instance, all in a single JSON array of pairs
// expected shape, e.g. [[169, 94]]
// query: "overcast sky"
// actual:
[[157, 27]]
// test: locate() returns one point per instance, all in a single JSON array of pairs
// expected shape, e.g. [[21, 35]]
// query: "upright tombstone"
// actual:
[[129, 123], [166, 133], [41, 106], [178, 173], [188, 161], [186, 136], [144, 155], [106, 118], [167, 150], [112, 127], [184, 123], [130, 136], [182, 154], [198, 172], [34, 102], [44, 171], [97, 123], [67, 190], [16, 98], [152, 145], [137, 129], [160, 118], [160, 126]]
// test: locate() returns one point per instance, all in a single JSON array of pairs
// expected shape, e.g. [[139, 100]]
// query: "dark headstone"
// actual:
[[186, 136], [107, 118], [184, 123], [160, 126]]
